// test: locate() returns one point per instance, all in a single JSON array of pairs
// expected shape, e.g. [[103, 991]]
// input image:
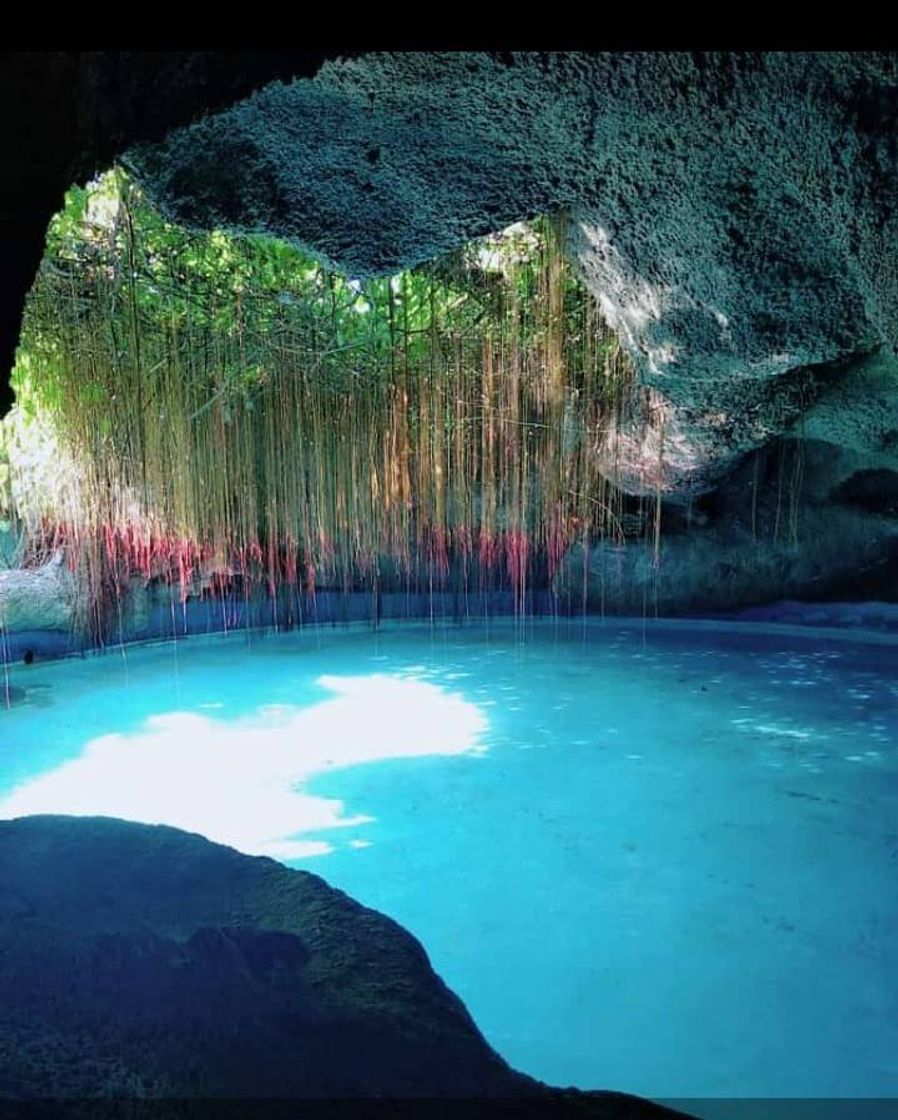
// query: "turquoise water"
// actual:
[[661, 859]]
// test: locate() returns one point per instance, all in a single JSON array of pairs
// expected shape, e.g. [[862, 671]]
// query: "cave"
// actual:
[[448, 540]]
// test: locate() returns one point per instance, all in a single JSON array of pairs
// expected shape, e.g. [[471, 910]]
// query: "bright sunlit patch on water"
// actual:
[[241, 783]]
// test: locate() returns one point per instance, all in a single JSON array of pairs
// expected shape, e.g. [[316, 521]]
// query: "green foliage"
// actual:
[[227, 407]]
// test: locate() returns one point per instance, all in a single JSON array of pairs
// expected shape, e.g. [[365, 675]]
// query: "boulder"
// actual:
[[37, 599], [140, 961]]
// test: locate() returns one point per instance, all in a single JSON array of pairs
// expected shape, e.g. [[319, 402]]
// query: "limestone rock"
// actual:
[[796, 521], [37, 598], [140, 960], [734, 213]]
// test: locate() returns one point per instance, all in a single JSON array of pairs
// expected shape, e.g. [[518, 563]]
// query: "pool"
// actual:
[[654, 857]]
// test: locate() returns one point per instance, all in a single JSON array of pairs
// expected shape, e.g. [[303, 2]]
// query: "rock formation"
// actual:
[[144, 961], [734, 214]]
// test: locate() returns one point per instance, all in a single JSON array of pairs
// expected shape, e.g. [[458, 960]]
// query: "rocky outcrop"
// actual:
[[733, 213], [797, 520], [724, 569], [37, 598], [140, 960], [195, 970]]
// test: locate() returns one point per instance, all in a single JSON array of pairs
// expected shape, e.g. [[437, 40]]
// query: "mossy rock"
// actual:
[[140, 960]]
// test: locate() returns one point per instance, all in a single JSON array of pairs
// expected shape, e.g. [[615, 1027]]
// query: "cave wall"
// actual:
[[733, 213], [69, 114]]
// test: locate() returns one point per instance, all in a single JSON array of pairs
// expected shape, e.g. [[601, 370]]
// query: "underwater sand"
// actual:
[[655, 858]]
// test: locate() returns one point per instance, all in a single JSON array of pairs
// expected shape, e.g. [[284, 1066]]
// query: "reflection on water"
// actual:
[[241, 783]]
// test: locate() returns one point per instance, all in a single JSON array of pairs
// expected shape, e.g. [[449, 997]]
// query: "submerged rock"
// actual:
[[140, 960]]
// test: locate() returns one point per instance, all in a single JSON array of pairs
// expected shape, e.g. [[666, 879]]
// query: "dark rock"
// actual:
[[69, 114], [145, 961], [786, 522], [874, 490]]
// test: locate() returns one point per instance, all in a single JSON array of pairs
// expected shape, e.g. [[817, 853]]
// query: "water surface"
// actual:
[[661, 859]]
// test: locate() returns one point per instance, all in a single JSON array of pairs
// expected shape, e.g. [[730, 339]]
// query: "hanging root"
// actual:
[[225, 414]]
